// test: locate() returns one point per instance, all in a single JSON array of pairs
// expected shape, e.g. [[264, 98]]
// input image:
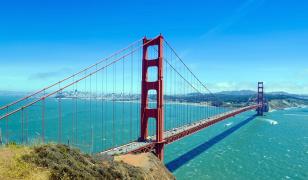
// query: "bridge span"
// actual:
[[175, 133]]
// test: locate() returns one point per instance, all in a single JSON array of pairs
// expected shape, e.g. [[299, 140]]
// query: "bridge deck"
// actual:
[[175, 133]]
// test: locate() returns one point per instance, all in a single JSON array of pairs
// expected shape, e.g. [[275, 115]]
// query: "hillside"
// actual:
[[287, 103], [61, 162]]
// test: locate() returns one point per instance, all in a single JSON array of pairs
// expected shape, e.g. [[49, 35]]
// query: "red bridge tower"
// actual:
[[158, 112], [260, 99]]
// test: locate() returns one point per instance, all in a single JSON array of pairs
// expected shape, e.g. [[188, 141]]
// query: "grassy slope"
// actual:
[[61, 162], [13, 167], [286, 103]]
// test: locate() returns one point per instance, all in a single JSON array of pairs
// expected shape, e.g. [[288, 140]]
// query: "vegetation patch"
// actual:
[[67, 163], [57, 161], [13, 167]]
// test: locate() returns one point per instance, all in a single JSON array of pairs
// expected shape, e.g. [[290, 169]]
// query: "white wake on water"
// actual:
[[271, 121], [228, 124]]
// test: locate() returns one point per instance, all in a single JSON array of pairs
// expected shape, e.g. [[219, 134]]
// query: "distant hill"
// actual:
[[250, 92], [237, 93], [279, 93]]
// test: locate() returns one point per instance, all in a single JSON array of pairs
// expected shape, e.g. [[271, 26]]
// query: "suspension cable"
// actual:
[[69, 77], [190, 70], [76, 81]]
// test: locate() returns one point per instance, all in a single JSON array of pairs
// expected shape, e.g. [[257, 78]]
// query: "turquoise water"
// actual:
[[92, 125], [243, 147], [271, 147]]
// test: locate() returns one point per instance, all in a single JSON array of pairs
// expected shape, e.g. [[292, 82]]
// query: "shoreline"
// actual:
[[150, 102]]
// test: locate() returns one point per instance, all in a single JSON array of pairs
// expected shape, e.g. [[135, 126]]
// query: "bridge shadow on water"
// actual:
[[183, 159]]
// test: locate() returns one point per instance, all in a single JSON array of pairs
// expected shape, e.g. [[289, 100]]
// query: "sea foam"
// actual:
[[271, 121]]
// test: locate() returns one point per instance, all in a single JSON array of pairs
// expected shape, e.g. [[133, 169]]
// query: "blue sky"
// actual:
[[230, 44]]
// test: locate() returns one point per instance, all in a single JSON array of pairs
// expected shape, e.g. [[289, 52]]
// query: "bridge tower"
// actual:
[[260, 99], [146, 86]]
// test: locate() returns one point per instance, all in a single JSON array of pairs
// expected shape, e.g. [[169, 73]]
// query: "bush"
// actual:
[[67, 163]]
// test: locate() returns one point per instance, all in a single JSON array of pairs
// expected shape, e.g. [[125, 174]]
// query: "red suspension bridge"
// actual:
[[100, 109]]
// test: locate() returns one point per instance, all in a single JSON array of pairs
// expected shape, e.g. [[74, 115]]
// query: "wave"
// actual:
[[228, 124], [271, 121]]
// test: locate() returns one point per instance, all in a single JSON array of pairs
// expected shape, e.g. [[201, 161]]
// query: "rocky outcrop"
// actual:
[[286, 103]]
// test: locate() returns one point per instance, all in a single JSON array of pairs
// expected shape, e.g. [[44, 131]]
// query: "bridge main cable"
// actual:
[[74, 82], [190, 70], [67, 78]]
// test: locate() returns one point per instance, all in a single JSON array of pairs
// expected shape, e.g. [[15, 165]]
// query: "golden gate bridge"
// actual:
[[138, 99]]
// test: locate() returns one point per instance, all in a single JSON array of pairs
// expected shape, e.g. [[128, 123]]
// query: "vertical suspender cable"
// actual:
[[171, 97], [113, 106], [22, 125], [102, 110], [76, 113], [106, 103], [122, 129], [26, 125], [59, 118], [130, 96], [96, 108], [43, 119], [91, 121], [137, 90], [186, 101], [7, 126]]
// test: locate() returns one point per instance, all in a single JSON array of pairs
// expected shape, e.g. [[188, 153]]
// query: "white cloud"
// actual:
[[50, 74]]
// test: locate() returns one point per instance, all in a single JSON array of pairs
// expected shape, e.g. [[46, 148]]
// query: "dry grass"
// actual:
[[13, 167]]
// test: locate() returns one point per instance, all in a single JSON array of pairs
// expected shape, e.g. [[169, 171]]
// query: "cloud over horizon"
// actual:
[[49, 75]]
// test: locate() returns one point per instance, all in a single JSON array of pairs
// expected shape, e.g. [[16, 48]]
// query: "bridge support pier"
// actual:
[[260, 99], [146, 86]]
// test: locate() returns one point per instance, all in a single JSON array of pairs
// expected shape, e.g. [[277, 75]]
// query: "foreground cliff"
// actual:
[[62, 162]]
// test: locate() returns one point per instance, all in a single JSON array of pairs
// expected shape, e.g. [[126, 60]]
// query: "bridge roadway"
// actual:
[[175, 133]]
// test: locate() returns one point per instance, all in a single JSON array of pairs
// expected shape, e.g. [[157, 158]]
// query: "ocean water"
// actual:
[[274, 146], [92, 125]]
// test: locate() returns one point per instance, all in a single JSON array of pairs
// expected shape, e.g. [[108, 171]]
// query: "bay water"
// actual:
[[274, 146]]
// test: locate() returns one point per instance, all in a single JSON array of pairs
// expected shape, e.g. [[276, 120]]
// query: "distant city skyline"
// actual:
[[230, 45]]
